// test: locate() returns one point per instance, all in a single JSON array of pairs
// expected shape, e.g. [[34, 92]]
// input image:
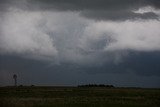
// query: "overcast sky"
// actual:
[[71, 42]]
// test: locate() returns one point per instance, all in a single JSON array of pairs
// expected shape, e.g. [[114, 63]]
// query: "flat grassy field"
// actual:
[[78, 97]]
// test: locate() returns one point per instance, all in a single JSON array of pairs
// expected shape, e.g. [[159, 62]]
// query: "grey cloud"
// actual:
[[67, 36], [94, 9], [118, 15], [20, 34], [94, 4], [155, 3], [102, 9]]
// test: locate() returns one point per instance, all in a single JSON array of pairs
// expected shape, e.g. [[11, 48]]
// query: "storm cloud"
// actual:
[[94, 9], [80, 37]]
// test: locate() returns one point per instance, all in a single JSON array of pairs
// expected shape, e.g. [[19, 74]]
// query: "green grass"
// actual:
[[78, 97]]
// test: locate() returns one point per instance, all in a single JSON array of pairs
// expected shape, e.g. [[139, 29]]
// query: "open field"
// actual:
[[78, 97]]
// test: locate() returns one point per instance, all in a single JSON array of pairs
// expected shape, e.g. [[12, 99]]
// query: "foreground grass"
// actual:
[[78, 97]]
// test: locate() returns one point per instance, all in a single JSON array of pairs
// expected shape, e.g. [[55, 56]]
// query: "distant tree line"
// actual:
[[96, 85]]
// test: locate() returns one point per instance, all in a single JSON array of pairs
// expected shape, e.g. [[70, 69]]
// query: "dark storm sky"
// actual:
[[71, 42]]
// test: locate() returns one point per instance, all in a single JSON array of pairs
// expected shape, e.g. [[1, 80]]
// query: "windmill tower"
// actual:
[[15, 79]]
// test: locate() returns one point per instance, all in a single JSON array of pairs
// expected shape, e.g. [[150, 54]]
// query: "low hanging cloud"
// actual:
[[136, 35], [20, 34], [72, 37]]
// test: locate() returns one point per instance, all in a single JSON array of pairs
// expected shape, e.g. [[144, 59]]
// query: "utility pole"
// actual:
[[15, 79]]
